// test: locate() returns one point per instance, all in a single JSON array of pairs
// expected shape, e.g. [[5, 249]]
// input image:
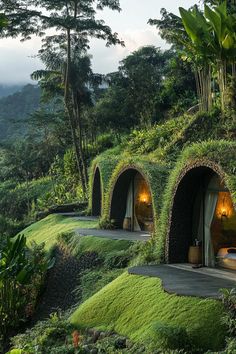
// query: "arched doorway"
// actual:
[[203, 219], [96, 194], [131, 202]]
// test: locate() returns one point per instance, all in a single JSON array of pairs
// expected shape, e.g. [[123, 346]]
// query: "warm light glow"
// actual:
[[144, 198], [224, 213], [224, 208]]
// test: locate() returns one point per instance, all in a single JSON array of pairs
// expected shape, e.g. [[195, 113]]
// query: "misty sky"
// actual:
[[17, 59]]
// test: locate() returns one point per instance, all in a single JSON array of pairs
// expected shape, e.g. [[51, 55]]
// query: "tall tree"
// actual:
[[74, 23]]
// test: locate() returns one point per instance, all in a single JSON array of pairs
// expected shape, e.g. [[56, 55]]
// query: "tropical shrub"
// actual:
[[118, 259], [228, 298], [169, 337], [17, 200], [53, 334], [22, 272], [94, 280], [106, 224], [66, 186]]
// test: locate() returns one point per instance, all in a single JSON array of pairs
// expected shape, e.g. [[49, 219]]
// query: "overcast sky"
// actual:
[[17, 59]]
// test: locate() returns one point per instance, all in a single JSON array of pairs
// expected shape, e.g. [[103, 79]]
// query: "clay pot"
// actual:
[[127, 224]]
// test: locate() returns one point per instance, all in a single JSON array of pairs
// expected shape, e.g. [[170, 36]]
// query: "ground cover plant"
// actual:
[[57, 335], [140, 309]]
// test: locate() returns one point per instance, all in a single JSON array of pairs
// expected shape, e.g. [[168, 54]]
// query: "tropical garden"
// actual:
[[156, 106]]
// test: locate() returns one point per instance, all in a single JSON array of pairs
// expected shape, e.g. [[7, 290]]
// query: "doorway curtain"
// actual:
[[131, 197], [211, 198]]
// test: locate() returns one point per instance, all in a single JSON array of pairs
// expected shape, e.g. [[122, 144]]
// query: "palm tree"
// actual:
[[78, 94]]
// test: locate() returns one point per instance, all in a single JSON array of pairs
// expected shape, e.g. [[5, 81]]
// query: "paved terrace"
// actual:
[[186, 281]]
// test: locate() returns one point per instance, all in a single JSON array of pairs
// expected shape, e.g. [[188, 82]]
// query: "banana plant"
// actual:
[[15, 271], [197, 49], [213, 39], [18, 268], [223, 31]]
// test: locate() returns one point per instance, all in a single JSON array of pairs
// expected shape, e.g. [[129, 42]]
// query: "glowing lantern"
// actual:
[[224, 209], [144, 198]]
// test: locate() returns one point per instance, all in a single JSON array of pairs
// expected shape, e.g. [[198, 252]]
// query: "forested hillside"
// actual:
[[6, 90], [15, 109]]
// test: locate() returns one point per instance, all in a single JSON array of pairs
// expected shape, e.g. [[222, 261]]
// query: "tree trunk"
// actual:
[[73, 125], [76, 105]]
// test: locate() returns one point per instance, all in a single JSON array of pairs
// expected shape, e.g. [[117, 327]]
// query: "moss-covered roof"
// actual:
[[163, 154], [219, 156]]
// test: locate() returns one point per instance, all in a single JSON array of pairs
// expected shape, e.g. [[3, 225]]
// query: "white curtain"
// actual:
[[130, 204], [211, 198]]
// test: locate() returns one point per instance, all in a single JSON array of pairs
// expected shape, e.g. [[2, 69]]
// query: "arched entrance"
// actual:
[[131, 202], [96, 194], [203, 220]]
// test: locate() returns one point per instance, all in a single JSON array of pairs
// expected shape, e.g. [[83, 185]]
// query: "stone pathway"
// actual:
[[115, 234], [184, 282]]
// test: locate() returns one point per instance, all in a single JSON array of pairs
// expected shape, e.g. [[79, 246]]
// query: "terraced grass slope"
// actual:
[[134, 306], [47, 230]]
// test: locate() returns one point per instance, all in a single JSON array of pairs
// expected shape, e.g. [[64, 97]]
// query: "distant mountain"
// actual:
[[6, 90], [15, 108]]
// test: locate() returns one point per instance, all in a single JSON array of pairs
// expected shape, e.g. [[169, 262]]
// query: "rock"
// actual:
[[93, 351], [96, 335], [103, 335], [129, 344], [120, 343]]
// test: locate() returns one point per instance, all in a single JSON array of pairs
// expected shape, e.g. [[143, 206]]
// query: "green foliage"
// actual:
[[118, 259], [94, 280], [65, 182], [148, 140], [54, 333], [20, 200], [78, 245], [169, 337], [22, 272], [8, 227], [137, 303], [228, 298], [149, 82], [106, 224]]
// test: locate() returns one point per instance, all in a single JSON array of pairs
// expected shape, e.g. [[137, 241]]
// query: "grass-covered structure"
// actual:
[[178, 173], [192, 172], [100, 174]]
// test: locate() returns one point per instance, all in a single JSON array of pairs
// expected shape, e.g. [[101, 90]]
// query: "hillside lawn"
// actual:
[[134, 305], [47, 229]]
